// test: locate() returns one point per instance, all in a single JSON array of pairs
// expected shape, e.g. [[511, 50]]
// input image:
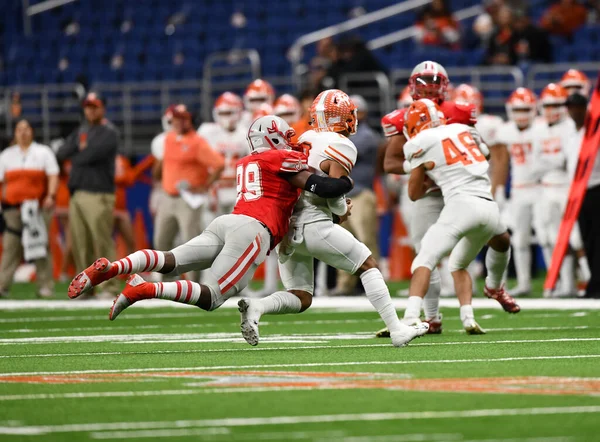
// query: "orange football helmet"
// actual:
[[257, 93], [334, 111], [288, 108], [228, 110], [404, 99], [262, 111], [521, 107], [422, 114], [553, 101], [575, 81], [465, 93]]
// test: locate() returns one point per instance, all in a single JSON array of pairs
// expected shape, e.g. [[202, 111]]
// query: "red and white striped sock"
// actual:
[[138, 262], [186, 292]]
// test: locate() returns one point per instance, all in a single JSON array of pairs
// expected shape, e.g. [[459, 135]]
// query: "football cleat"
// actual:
[[250, 316], [473, 328], [507, 302], [435, 325], [402, 337], [135, 290], [383, 333], [89, 278]]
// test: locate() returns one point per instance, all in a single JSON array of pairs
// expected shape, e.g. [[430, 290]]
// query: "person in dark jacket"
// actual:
[[92, 149]]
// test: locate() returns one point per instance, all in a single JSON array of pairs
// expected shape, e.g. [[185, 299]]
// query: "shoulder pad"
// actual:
[[418, 146], [342, 152], [393, 123], [291, 161]]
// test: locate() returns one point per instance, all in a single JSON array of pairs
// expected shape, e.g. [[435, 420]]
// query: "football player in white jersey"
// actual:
[[257, 93], [556, 133], [227, 137], [287, 107], [518, 135], [450, 156], [313, 233]]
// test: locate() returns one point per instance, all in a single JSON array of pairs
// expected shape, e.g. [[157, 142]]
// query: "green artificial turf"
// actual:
[[181, 374]]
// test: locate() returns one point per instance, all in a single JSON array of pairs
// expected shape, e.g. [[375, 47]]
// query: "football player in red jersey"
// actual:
[[430, 80], [269, 182]]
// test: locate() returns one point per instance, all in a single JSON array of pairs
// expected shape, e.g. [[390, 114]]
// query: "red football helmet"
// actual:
[[228, 110], [575, 81], [422, 114], [464, 93], [257, 93], [334, 111], [553, 101], [404, 99], [429, 80], [288, 108], [521, 107]]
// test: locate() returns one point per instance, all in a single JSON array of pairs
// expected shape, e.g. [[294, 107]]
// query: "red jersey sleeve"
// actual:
[[461, 113], [393, 123], [289, 161]]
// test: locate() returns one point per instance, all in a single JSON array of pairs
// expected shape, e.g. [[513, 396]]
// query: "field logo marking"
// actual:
[[277, 380]]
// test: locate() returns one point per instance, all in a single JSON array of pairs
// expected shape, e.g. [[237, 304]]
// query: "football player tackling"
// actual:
[[313, 233], [269, 181]]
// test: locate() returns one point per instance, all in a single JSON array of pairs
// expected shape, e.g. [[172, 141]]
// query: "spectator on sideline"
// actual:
[[363, 222], [588, 217], [92, 150], [28, 172], [436, 26], [564, 17], [188, 168]]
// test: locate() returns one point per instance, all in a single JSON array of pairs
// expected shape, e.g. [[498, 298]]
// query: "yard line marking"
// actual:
[[339, 303], [287, 420], [201, 432], [399, 438], [276, 340], [309, 364], [216, 431], [225, 314], [202, 325]]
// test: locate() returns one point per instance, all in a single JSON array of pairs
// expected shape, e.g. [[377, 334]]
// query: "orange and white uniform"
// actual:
[[470, 216], [187, 159], [232, 145], [24, 174]]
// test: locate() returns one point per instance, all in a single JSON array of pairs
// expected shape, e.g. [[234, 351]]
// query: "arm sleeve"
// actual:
[[393, 123], [327, 187], [338, 206], [293, 162], [100, 149], [69, 147], [50, 164]]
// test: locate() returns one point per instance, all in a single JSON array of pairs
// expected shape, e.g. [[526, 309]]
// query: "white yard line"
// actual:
[[340, 303], [290, 420], [290, 341], [310, 364], [292, 435], [207, 319]]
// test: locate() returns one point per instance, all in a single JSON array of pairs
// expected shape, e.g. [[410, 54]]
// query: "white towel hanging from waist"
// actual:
[[35, 236]]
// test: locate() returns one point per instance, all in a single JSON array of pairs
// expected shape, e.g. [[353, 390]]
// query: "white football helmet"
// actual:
[[227, 110], [429, 80], [270, 132]]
